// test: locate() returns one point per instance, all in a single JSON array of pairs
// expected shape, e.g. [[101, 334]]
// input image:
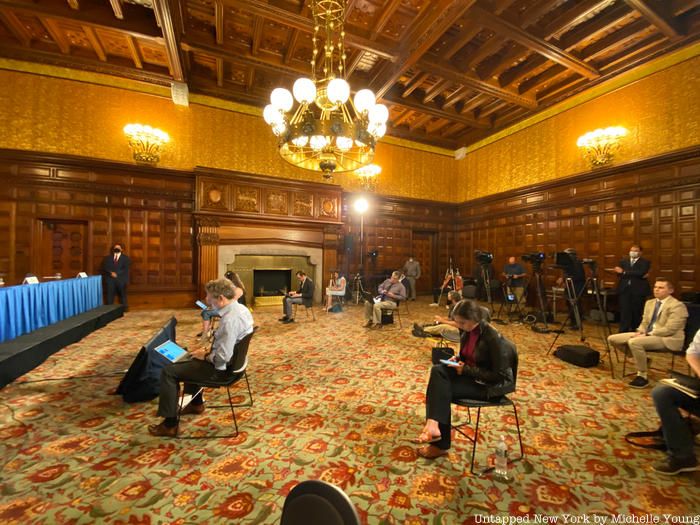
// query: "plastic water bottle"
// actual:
[[500, 472]]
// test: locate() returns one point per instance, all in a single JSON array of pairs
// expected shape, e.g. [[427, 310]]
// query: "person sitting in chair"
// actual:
[[662, 328], [443, 326], [210, 313], [391, 292], [206, 364], [513, 272], [336, 288], [482, 370], [677, 433], [304, 295]]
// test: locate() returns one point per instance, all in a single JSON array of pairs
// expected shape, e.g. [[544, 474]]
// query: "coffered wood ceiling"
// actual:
[[451, 71]]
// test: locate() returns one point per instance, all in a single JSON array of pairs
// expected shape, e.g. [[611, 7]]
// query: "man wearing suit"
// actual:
[[304, 295], [662, 328], [115, 270], [633, 288]]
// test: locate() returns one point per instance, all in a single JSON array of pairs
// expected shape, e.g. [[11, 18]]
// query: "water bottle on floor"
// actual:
[[500, 472]]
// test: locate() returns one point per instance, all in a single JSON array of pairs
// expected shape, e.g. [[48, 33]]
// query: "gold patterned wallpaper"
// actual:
[[58, 115], [55, 115], [660, 112]]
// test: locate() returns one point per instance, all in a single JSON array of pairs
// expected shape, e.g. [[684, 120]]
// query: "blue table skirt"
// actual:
[[26, 308]]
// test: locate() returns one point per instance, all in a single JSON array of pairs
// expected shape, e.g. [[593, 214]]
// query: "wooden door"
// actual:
[[63, 248], [423, 249]]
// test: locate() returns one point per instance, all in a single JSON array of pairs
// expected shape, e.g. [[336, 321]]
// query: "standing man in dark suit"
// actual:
[[304, 295], [633, 288], [115, 269]]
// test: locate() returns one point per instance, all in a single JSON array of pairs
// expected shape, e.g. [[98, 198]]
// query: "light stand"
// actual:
[[361, 205]]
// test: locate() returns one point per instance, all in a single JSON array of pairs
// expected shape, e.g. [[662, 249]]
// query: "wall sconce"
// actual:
[[599, 146], [368, 176], [145, 142]]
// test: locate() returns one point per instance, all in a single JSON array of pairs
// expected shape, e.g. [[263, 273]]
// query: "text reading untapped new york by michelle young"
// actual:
[[593, 519]]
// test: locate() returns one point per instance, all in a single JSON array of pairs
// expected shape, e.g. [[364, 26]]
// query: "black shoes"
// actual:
[[288, 320], [639, 382], [283, 319], [673, 466]]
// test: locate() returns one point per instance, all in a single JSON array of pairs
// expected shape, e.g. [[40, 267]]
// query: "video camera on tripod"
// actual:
[[483, 257], [534, 258]]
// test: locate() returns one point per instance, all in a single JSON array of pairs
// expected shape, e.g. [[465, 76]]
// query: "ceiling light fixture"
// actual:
[[327, 131]]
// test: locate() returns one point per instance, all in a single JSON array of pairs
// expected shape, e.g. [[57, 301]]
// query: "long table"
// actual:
[[28, 307]]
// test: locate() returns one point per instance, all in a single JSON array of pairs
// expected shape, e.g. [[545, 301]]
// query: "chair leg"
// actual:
[[476, 438], [520, 438], [233, 412], [313, 314]]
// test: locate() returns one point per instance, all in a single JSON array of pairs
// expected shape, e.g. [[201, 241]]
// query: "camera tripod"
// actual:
[[510, 301], [541, 301], [591, 286], [357, 288], [451, 282]]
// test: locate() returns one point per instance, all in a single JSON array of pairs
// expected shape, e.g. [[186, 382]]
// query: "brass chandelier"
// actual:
[[327, 131]]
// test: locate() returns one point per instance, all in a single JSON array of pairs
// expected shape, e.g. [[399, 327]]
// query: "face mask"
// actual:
[[634, 255]]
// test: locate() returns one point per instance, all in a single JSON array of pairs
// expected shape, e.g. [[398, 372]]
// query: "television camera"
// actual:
[[482, 257]]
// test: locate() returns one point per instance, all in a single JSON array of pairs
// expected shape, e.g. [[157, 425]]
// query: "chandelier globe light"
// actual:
[[328, 130]]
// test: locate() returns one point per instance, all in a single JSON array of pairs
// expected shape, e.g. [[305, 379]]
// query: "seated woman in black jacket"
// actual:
[[482, 370]]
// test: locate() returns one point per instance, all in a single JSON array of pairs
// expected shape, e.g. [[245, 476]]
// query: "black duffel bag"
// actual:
[[578, 355]]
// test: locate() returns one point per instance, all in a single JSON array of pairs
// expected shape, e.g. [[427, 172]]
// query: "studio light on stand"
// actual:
[[360, 205], [327, 131]]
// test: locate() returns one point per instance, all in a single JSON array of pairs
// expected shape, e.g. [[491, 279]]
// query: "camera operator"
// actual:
[[513, 272], [573, 269]]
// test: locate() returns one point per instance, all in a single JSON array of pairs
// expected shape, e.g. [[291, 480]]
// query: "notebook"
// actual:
[[172, 352], [686, 384]]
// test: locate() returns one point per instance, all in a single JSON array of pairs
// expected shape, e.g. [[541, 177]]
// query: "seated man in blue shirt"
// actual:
[[391, 292], [514, 274], [206, 364]]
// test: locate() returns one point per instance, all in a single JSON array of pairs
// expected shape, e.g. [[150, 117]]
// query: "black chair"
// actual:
[[237, 369], [315, 502], [306, 310], [502, 401], [393, 313]]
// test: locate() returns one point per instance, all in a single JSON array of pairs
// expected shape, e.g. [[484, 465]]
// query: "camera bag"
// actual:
[[578, 355]]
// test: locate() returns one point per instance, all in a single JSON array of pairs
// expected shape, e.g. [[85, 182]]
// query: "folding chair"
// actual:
[[306, 311], [502, 401], [393, 313], [237, 369]]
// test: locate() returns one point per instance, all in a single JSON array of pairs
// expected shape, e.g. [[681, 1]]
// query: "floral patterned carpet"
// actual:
[[333, 401]]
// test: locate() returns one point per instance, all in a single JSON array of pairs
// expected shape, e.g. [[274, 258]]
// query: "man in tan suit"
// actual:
[[662, 328]]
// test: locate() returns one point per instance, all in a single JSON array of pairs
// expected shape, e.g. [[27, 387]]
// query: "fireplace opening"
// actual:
[[267, 283]]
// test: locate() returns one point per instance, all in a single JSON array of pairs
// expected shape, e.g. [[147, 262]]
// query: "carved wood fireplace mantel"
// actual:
[[238, 213]]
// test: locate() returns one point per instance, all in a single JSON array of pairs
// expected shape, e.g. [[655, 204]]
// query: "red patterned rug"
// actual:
[[333, 401]]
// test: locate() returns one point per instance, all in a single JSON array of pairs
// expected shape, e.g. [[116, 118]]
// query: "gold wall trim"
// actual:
[[604, 88], [395, 141]]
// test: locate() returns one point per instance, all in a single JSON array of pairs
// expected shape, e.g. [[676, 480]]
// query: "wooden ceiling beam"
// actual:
[[573, 17], [454, 97], [56, 35], [468, 33], [473, 103], [426, 30], [258, 23], [548, 75], [95, 43], [659, 16], [616, 39], [164, 14], [436, 126], [355, 59], [94, 15], [492, 108], [219, 21], [250, 80], [434, 91], [303, 23], [16, 27], [291, 46], [553, 53], [415, 82], [407, 112], [117, 8], [394, 98], [446, 70], [388, 12], [419, 122], [485, 50], [135, 56]]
